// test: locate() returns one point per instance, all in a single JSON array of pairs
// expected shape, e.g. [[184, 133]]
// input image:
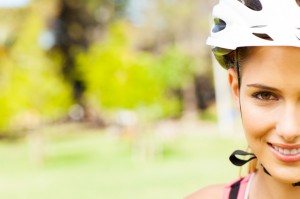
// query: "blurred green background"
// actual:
[[108, 99]]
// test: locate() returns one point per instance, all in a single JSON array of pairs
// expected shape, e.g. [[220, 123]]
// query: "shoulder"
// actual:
[[209, 192]]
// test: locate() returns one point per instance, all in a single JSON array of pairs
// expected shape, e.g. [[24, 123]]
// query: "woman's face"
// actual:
[[269, 98]]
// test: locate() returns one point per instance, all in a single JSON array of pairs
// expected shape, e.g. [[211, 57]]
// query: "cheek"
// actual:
[[257, 122]]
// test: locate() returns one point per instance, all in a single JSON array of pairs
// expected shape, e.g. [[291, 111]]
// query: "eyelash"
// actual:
[[258, 95]]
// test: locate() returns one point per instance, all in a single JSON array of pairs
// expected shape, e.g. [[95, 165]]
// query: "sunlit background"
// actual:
[[111, 99]]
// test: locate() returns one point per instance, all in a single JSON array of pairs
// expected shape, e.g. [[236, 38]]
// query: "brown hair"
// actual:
[[242, 55]]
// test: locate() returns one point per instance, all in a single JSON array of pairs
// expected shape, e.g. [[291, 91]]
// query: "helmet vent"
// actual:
[[263, 36], [219, 25], [259, 26], [253, 4]]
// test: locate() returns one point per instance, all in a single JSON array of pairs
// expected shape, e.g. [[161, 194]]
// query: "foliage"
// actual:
[[118, 76], [74, 28], [114, 74], [143, 68], [174, 68], [30, 83]]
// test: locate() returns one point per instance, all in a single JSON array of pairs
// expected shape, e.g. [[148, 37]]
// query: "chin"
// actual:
[[286, 174]]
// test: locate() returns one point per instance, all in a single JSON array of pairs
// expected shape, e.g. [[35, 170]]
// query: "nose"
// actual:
[[288, 124]]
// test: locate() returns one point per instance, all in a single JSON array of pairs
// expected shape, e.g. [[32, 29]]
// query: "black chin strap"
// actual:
[[234, 159]]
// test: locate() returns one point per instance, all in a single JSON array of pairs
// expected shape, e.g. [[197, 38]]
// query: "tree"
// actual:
[[77, 24], [31, 88], [119, 77], [183, 25]]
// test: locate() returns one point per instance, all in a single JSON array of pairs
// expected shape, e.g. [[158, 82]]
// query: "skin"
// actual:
[[269, 100]]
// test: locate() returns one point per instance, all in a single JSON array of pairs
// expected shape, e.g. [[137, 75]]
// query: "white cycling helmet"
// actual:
[[240, 23]]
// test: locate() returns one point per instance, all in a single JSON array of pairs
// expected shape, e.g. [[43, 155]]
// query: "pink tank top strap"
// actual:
[[236, 189]]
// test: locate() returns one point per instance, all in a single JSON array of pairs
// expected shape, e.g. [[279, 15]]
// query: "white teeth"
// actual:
[[294, 151], [280, 150], [287, 151]]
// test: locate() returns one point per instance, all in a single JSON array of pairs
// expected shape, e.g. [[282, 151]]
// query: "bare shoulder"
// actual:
[[209, 192]]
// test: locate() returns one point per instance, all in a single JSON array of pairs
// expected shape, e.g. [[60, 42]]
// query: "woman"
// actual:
[[258, 41]]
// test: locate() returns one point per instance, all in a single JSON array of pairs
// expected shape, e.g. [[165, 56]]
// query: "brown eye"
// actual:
[[265, 96]]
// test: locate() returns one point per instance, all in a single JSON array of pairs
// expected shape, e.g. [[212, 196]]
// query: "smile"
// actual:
[[287, 151]]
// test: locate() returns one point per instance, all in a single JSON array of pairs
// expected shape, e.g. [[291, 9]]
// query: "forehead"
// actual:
[[272, 64]]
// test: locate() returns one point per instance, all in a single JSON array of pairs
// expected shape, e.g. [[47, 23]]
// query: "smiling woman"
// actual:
[[269, 98], [258, 42]]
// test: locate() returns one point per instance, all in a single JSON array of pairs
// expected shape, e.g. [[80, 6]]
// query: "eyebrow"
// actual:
[[261, 86]]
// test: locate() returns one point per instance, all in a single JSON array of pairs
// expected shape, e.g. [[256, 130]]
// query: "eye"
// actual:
[[265, 96]]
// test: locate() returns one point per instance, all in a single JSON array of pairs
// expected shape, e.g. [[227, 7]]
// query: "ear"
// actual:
[[234, 86]]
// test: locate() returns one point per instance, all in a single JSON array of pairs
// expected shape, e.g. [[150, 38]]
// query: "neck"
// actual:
[[265, 186]]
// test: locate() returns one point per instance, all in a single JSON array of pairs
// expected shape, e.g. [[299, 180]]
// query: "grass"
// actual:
[[92, 164]]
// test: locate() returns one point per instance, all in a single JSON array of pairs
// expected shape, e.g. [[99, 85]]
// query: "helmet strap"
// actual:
[[234, 157], [237, 66], [293, 184]]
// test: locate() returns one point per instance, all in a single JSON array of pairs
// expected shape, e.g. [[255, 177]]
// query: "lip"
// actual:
[[288, 158]]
